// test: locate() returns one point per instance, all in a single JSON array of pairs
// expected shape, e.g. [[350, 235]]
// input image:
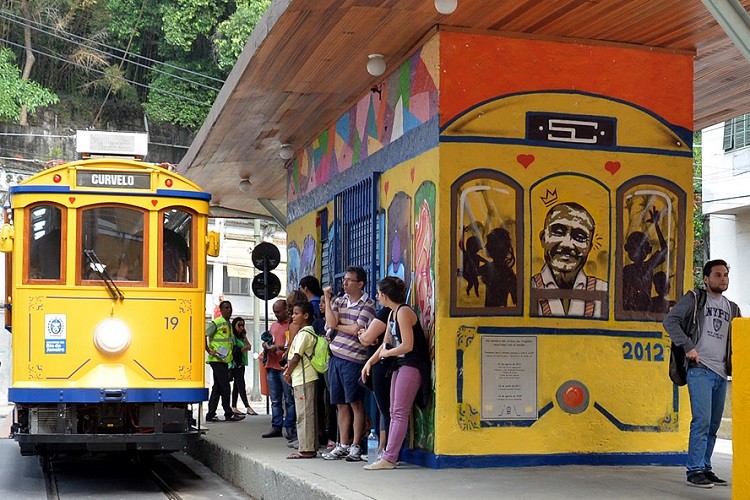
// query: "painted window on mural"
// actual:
[[650, 248], [486, 207], [569, 248]]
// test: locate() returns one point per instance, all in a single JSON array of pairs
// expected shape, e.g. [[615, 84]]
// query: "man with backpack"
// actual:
[[701, 324]]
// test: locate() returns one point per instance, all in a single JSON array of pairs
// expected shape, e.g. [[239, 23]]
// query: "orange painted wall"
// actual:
[[475, 68]]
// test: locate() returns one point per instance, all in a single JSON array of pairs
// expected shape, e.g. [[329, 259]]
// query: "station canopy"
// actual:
[[304, 66]]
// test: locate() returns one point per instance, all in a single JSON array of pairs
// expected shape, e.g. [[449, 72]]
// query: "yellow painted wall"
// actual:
[[619, 358], [741, 408]]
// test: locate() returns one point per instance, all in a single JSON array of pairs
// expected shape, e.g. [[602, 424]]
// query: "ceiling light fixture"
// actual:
[[286, 152], [446, 6], [376, 64], [245, 185]]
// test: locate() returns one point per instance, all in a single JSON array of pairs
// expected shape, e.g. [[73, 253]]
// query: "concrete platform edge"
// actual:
[[264, 481]]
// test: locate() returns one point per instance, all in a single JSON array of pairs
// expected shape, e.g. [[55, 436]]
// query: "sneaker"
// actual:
[[234, 417], [714, 478], [275, 433], [212, 418], [339, 452], [699, 480], [293, 443], [381, 464], [331, 445], [355, 453]]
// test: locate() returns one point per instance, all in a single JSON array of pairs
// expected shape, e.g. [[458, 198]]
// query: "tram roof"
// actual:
[[304, 66]]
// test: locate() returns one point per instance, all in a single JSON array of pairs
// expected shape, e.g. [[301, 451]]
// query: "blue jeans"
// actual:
[[707, 393], [280, 391]]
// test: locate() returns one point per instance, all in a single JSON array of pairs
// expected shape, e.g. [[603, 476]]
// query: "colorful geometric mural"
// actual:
[[406, 99]]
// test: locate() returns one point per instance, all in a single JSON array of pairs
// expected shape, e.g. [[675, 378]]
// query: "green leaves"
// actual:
[[232, 34], [18, 92]]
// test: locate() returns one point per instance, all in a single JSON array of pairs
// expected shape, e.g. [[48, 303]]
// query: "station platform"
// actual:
[[236, 451]]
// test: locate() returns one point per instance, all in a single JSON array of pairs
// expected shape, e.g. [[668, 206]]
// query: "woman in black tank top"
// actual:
[[406, 344]]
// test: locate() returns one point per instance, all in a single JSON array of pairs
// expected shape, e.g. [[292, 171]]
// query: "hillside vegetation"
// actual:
[[95, 63]]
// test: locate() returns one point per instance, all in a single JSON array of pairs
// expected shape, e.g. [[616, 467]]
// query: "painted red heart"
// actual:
[[386, 186], [612, 167], [72, 199], [154, 202], [525, 160], [412, 174]]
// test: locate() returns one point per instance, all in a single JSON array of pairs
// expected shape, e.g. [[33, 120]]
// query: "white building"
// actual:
[[726, 200]]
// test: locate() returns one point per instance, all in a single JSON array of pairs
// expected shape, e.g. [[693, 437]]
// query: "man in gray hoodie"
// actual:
[[701, 324]]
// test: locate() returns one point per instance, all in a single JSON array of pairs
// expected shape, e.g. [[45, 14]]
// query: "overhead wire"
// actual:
[[155, 89], [52, 31]]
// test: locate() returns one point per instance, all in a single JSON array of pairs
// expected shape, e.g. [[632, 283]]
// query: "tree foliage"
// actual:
[[232, 34], [136, 51], [18, 92], [700, 231]]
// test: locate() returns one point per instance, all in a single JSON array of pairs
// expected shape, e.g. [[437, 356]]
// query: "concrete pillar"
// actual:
[[723, 239]]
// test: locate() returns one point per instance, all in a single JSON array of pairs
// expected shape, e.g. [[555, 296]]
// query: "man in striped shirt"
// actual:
[[347, 314]]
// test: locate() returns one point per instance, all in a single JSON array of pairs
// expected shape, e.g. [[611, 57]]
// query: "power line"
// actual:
[[150, 68], [52, 31], [155, 89]]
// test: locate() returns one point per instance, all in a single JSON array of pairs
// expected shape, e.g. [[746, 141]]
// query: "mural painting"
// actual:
[[562, 239], [651, 214], [424, 301], [486, 209], [406, 99], [293, 266], [554, 179], [570, 259], [398, 252], [307, 260]]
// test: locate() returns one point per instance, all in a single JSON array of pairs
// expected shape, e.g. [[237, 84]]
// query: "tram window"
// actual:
[[177, 228], [115, 234], [45, 238]]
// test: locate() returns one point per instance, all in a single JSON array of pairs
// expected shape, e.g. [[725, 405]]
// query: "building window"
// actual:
[[737, 133], [235, 286], [210, 279]]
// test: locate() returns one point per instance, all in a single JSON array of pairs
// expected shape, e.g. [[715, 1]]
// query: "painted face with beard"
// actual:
[[567, 239]]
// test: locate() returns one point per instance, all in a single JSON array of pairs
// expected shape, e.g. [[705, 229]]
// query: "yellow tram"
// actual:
[[107, 294]]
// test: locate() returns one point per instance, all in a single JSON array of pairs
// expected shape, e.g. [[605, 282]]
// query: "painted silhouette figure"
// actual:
[[498, 275], [471, 258], [660, 304], [636, 277]]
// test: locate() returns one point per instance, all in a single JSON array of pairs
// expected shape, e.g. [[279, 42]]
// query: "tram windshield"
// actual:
[[45, 242], [115, 234], [177, 228]]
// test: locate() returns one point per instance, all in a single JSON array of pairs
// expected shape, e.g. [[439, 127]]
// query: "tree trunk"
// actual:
[[30, 59]]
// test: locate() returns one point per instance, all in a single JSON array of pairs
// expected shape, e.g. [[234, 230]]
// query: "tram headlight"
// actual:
[[112, 336]]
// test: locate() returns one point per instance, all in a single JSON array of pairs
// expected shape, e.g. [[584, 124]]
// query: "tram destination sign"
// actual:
[[109, 179]]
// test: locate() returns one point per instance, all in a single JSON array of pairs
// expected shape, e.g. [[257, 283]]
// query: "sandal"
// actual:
[[250, 411], [300, 455]]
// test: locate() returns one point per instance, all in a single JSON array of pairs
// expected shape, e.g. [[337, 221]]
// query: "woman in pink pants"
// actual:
[[406, 343]]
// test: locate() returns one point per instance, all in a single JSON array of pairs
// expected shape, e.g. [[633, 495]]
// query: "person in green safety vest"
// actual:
[[219, 349]]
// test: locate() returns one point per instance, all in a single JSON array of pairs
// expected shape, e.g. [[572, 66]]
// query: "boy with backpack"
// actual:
[[306, 358]]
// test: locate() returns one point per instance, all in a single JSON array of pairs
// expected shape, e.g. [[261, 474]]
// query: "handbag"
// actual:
[[385, 365], [678, 365]]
